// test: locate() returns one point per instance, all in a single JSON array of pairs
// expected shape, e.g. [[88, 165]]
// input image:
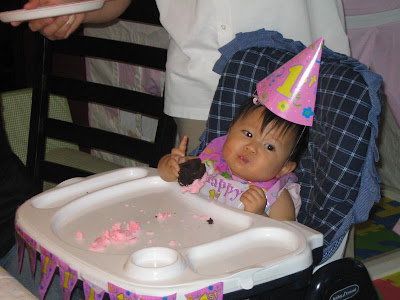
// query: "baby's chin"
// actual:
[[251, 178], [259, 179]]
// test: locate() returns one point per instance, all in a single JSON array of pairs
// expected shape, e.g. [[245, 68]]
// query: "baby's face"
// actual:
[[256, 156]]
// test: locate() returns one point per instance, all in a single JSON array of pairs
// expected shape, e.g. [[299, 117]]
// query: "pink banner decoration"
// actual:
[[92, 292], [212, 292], [20, 246], [68, 279], [117, 293], [49, 266], [31, 247]]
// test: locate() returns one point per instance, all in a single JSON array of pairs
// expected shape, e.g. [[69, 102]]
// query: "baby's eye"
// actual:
[[247, 133], [269, 147]]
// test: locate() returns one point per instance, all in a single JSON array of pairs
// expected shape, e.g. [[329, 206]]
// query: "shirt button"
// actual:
[[223, 27]]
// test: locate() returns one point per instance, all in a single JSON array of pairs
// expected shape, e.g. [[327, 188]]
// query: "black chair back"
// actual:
[[46, 82]]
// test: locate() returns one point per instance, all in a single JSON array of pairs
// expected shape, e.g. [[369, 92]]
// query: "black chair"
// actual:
[[46, 82]]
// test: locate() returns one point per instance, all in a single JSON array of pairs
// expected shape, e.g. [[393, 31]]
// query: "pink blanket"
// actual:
[[373, 28]]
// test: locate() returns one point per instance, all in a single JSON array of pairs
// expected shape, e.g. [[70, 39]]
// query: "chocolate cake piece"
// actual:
[[190, 171]]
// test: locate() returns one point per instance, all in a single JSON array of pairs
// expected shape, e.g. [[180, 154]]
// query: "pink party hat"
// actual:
[[291, 90]]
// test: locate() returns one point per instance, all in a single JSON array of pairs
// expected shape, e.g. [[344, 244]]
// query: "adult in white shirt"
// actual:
[[198, 28]]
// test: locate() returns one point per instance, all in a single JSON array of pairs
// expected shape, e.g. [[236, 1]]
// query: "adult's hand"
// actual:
[[54, 28], [61, 27]]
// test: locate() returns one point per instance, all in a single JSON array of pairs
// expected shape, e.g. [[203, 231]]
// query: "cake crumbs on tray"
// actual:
[[79, 235], [162, 216], [116, 235]]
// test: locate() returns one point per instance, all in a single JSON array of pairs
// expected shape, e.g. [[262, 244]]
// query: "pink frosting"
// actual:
[[116, 235], [196, 186], [163, 216], [133, 226], [79, 235]]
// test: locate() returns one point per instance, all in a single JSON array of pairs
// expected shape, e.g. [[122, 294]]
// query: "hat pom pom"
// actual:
[[256, 101]]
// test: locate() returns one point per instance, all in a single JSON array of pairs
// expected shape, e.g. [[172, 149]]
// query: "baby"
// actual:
[[259, 153], [251, 167]]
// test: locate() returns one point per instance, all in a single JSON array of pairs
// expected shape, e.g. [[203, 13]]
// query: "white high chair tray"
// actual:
[[50, 11], [178, 254]]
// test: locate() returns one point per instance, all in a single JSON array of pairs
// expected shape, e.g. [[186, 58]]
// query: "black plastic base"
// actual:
[[345, 278]]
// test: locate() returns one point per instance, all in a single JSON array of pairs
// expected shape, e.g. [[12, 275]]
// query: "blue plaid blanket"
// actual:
[[339, 182]]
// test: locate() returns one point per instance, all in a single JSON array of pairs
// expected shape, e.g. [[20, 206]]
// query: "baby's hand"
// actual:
[[168, 166], [181, 150], [254, 200]]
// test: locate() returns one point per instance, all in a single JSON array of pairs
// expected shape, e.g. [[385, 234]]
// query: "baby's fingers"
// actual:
[[255, 190], [247, 198], [173, 167], [181, 150], [177, 152], [183, 145]]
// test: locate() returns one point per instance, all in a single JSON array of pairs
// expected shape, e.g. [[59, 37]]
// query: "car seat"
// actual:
[[339, 182]]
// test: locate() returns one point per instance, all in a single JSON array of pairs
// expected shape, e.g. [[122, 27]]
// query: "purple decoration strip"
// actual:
[[20, 246], [31, 247], [68, 279], [117, 293], [214, 292], [92, 292], [49, 266]]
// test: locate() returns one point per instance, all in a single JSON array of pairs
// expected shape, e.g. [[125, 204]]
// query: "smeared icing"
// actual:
[[116, 235], [196, 186]]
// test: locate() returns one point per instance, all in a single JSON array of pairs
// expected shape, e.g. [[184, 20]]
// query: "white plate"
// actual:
[[50, 11]]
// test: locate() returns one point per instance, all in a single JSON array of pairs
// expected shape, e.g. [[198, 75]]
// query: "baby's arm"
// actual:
[[283, 208], [168, 166]]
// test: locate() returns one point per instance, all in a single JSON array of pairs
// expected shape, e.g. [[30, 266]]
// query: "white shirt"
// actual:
[[198, 28]]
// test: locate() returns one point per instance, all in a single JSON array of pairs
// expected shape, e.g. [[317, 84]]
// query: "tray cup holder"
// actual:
[[155, 264]]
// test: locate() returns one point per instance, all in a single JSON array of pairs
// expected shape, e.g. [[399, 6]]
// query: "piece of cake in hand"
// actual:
[[192, 175], [190, 171]]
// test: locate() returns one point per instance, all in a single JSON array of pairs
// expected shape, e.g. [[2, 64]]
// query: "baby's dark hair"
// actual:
[[300, 131]]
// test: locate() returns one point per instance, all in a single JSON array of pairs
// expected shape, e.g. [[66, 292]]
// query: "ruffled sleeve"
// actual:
[[286, 182]]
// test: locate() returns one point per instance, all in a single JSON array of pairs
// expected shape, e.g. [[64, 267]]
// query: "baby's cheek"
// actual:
[[226, 149]]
